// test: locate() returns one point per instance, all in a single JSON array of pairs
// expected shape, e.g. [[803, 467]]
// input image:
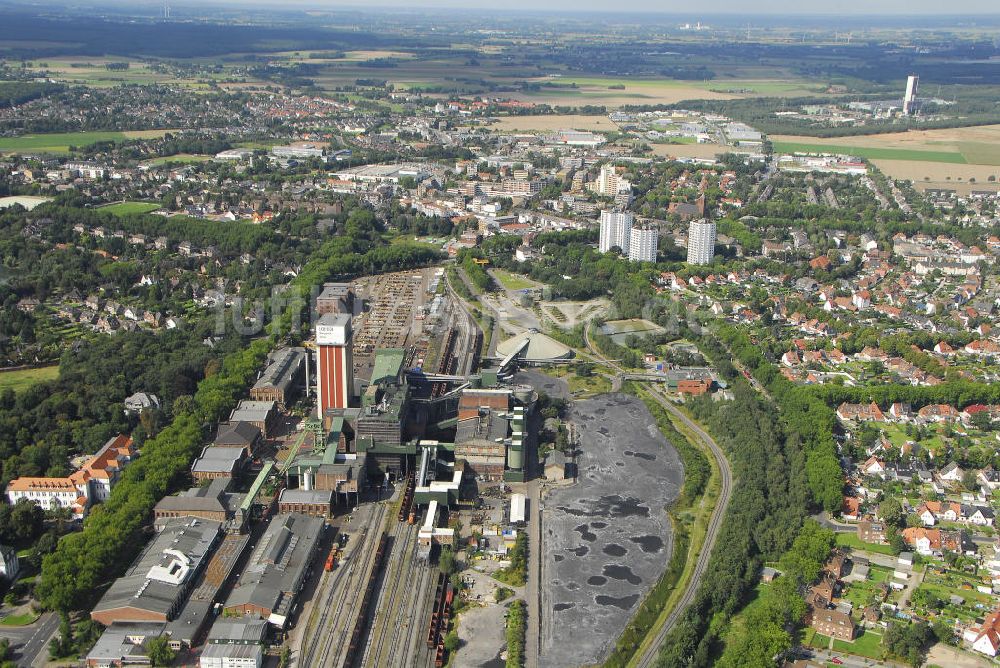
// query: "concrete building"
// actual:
[[643, 243], [335, 298], [609, 183], [910, 98], [155, 588], [335, 365], [701, 241], [616, 230], [235, 644]]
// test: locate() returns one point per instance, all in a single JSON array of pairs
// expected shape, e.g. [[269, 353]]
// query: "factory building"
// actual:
[[262, 414], [156, 587], [335, 298], [213, 502]]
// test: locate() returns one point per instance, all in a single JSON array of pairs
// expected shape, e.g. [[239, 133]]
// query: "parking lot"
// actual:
[[606, 539]]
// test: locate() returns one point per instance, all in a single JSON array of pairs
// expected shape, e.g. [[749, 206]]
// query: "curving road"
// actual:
[[648, 657]]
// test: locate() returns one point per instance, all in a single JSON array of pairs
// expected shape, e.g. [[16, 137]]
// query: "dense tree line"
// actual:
[[769, 501], [230, 238], [809, 420], [13, 93], [73, 574]]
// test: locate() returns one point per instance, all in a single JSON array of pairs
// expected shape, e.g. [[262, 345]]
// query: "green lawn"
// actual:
[[852, 541], [879, 574], [59, 142], [819, 640], [868, 644], [19, 620], [24, 378], [180, 158], [128, 208], [872, 153], [513, 281]]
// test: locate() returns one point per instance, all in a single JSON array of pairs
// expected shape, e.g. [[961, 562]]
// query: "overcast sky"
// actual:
[[681, 7]]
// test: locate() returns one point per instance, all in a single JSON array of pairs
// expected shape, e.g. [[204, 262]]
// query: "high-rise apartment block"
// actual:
[[616, 230], [610, 184], [701, 241], [643, 243]]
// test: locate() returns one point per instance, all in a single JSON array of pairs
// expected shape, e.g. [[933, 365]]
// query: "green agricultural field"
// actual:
[[24, 378], [128, 208], [60, 142], [980, 153], [872, 153]]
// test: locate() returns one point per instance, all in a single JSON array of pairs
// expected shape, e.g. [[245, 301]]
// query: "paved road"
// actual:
[[852, 661], [30, 644], [648, 658]]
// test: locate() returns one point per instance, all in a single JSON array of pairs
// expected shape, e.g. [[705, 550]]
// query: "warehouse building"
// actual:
[[269, 585], [239, 435], [213, 502], [262, 414], [283, 379], [157, 585], [218, 463]]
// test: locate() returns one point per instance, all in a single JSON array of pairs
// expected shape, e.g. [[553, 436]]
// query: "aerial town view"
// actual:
[[499, 336]]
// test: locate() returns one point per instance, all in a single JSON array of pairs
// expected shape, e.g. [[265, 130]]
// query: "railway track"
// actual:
[[336, 608], [390, 644], [648, 659]]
